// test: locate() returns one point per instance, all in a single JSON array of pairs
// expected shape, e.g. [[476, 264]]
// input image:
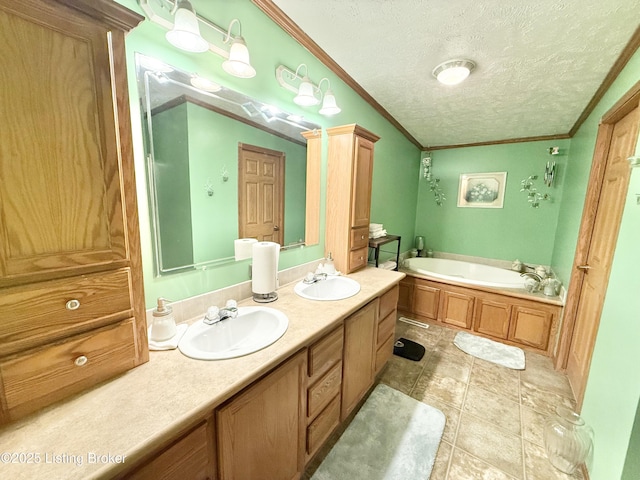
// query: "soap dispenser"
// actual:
[[329, 267], [164, 325]]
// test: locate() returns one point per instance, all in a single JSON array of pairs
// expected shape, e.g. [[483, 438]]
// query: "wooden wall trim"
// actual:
[[562, 136], [289, 26]]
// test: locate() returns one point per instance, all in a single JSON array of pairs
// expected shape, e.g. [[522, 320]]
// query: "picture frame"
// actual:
[[482, 190]]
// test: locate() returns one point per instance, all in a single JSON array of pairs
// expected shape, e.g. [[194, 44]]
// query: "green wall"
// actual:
[[395, 186], [515, 231], [613, 388], [632, 464]]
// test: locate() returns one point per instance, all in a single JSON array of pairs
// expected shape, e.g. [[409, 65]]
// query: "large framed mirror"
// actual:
[[223, 166]]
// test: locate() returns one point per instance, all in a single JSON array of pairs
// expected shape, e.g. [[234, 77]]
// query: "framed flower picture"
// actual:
[[482, 190]]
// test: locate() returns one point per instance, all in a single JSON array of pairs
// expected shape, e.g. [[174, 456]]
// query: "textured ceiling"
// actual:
[[538, 63]]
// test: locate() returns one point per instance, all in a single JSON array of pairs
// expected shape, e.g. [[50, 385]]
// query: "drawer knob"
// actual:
[[73, 304], [81, 361], [361, 237]]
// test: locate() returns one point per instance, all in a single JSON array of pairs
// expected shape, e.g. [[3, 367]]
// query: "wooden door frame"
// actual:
[[281, 172], [620, 109]]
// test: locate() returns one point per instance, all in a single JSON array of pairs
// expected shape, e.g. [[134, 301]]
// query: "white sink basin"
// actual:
[[253, 329], [333, 288]]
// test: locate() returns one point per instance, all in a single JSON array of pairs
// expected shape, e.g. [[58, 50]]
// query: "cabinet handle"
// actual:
[[73, 304], [81, 361], [584, 268], [361, 237]]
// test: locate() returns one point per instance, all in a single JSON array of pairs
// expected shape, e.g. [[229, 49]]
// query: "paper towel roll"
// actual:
[[265, 267], [243, 247]]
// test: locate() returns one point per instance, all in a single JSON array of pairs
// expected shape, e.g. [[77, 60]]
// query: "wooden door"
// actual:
[[599, 231], [260, 193], [61, 201], [359, 356], [261, 431]]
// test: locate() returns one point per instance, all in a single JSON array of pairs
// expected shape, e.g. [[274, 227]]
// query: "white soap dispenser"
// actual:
[[329, 267], [164, 325]]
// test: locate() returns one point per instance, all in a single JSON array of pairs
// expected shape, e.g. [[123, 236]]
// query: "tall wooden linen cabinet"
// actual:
[[349, 176], [72, 308]]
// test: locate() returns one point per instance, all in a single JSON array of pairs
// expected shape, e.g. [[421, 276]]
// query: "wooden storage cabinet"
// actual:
[[191, 457], [261, 431], [350, 171], [385, 331], [531, 326], [324, 389], [492, 316], [359, 356], [70, 259]]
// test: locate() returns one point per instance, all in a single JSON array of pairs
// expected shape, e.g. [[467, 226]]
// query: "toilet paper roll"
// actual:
[[265, 267], [243, 247]]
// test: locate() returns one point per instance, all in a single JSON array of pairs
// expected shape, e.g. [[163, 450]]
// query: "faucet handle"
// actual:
[[231, 304], [212, 313]]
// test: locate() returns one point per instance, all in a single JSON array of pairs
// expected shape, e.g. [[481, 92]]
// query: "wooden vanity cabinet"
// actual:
[[190, 457], [349, 177], [386, 327], [261, 431], [358, 356], [70, 262], [456, 307]]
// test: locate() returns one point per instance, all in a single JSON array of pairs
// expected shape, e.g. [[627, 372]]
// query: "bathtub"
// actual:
[[465, 272]]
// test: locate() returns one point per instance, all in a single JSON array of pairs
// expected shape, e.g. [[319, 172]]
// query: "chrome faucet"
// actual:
[[314, 277], [215, 314]]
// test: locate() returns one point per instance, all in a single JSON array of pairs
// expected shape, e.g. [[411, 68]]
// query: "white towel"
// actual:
[[388, 265], [170, 344], [375, 226], [378, 234]]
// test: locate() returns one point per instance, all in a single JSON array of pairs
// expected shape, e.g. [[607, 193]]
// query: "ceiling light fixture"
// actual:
[[453, 72], [307, 93], [184, 33]]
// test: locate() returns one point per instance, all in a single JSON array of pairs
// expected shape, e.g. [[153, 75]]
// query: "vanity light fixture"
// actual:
[[205, 84], [453, 72], [307, 93], [184, 32]]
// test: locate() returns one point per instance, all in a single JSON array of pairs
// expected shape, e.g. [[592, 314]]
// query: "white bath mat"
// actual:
[[496, 352], [392, 437]]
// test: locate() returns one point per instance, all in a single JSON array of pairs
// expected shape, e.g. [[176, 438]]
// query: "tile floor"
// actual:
[[494, 414]]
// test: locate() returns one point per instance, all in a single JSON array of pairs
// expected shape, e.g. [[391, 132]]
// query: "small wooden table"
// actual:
[[376, 243]]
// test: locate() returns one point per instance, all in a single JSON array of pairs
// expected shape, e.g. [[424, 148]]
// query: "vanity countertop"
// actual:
[[103, 431]]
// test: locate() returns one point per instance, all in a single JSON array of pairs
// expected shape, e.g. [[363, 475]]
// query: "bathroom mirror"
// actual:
[[195, 134]]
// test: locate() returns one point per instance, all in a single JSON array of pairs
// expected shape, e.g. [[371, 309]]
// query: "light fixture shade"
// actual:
[[186, 31], [305, 96], [238, 63], [205, 84], [453, 72], [329, 105]]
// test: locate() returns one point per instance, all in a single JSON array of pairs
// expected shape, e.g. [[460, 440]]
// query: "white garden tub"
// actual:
[[465, 272]]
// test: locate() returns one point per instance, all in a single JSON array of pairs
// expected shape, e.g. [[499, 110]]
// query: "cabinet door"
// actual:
[[261, 430], [405, 296], [61, 204], [359, 356], [426, 300], [492, 317], [456, 308], [192, 457], [362, 177], [530, 326]]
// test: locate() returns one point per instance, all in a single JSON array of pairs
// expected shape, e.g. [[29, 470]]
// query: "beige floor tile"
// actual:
[[493, 408], [533, 425], [467, 467], [446, 365], [550, 381], [451, 413], [401, 374], [537, 361], [439, 471], [447, 346], [538, 467], [495, 378], [447, 389], [541, 400], [491, 443]]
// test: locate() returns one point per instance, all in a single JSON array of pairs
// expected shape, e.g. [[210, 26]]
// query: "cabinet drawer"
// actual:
[[357, 259], [384, 352], [359, 238], [44, 376], [325, 353], [386, 327], [33, 315], [324, 390], [388, 302], [322, 426]]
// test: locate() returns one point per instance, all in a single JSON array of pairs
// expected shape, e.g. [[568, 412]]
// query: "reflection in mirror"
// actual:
[[221, 166]]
